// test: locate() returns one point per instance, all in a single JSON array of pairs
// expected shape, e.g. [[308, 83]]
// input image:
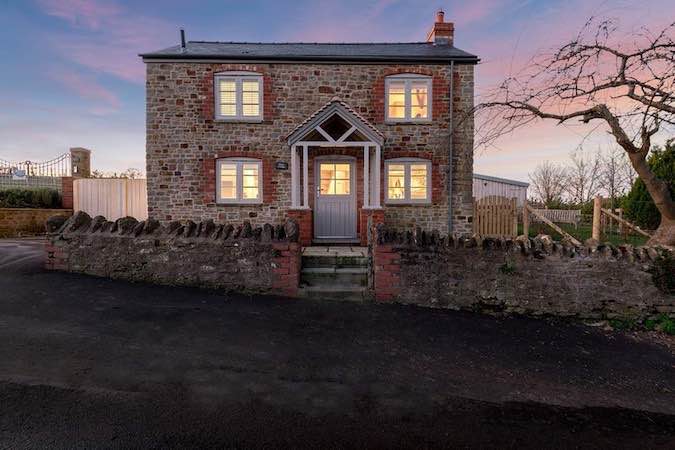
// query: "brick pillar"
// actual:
[[387, 267], [67, 192], [286, 270], [304, 219], [56, 255], [370, 218]]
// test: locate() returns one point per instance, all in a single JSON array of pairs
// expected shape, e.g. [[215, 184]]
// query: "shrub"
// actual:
[[663, 273], [30, 198], [638, 204]]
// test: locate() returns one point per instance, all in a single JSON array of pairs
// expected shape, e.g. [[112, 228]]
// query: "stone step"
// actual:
[[312, 261], [336, 277], [356, 294]]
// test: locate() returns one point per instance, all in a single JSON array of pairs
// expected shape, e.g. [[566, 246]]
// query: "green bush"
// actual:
[[663, 273], [30, 198], [638, 204]]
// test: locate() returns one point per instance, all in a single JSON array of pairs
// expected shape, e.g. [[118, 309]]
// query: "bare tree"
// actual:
[[582, 181], [625, 84], [548, 183]]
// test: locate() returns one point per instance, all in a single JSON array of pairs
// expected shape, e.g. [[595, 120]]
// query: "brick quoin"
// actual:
[[67, 192], [304, 219]]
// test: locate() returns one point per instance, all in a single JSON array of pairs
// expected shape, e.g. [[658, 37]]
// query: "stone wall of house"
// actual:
[[16, 222], [238, 258], [184, 140], [532, 276]]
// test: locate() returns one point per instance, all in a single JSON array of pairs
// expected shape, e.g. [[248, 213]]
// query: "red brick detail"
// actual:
[[387, 267], [208, 85], [286, 271], [305, 224], [440, 89], [378, 217], [67, 192], [209, 174]]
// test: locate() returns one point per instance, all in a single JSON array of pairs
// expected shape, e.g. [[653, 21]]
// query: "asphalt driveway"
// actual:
[[88, 362]]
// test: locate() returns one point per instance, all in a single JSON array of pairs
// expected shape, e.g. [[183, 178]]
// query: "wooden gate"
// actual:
[[495, 217]]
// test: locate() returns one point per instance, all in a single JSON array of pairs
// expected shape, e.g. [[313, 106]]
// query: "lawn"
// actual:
[[583, 232]]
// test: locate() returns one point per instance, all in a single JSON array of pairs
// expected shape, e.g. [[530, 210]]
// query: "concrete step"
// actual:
[[357, 294], [334, 277], [312, 261]]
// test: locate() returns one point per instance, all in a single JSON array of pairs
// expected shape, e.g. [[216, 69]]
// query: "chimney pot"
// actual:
[[440, 14]]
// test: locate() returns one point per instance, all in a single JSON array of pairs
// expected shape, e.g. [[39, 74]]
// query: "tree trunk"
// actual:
[[658, 189]]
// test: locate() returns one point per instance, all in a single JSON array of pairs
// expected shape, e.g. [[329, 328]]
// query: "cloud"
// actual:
[[106, 37], [88, 88]]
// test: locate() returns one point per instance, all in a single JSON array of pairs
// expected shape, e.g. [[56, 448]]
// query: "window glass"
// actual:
[[250, 98], [334, 179], [397, 99], [418, 181], [228, 181], [228, 97], [396, 182], [418, 100], [250, 181]]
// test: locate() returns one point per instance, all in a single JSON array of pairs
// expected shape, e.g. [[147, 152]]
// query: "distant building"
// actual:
[[484, 185]]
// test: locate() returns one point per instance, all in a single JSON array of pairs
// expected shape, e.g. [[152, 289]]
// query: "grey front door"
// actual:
[[335, 205]]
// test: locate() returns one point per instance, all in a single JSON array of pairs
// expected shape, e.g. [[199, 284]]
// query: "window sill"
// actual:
[[408, 204], [239, 203], [408, 122], [238, 120]]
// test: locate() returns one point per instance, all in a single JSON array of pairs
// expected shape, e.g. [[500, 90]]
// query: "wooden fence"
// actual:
[[495, 217], [111, 197], [571, 216]]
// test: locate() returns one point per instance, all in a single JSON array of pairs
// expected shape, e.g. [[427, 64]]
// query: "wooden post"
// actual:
[[526, 220], [597, 212]]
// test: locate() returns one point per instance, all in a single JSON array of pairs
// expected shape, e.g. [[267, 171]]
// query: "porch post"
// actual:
[[366, 178], [294, 176], [305, 176], [378, 182]]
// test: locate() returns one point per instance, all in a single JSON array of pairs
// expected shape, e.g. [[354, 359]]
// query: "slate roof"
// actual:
[[351, 52]]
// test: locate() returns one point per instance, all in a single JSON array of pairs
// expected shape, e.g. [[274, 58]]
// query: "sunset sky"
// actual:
[[71, 75]]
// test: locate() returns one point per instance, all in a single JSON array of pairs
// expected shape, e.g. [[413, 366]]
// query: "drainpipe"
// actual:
[[452, 130]]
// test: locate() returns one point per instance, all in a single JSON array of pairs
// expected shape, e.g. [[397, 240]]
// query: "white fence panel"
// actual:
[[571, 216], [111, 198]]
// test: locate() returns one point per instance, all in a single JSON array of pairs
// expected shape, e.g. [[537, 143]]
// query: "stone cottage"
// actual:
[[334, 135]]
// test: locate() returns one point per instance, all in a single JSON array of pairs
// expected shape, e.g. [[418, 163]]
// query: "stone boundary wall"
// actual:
[[224, 257], [15, 222], [530, 276]]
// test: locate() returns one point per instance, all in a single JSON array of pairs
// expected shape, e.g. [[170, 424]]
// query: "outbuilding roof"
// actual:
[[347, 52]]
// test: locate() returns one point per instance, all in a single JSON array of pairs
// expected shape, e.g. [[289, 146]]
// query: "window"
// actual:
[[238, 96], [408, 98], [408, 180], [239, 180]]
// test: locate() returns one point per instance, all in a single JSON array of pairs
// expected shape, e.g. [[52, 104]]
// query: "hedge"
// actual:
[[30, 198]]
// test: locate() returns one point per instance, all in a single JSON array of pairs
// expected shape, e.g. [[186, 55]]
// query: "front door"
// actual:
[[335, 203]]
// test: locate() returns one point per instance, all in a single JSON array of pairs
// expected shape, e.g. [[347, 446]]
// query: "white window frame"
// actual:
[[239, 162], [406, 163], [238, 78], [408, 79]]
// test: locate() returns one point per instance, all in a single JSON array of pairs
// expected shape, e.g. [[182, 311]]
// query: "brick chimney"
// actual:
[[443, 32]]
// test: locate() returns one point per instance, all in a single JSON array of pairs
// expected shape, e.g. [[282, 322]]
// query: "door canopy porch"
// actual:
[[335, 124]]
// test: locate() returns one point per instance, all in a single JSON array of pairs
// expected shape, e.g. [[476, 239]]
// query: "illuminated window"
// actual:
[[335, 178], [238, 96], [408, 98], [239, 180], [408, 180]]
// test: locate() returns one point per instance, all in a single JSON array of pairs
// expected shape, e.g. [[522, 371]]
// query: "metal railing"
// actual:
[[35, 174]]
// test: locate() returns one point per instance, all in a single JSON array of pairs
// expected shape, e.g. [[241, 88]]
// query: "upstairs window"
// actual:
[[239, 180], [408, 180], [238, 96], [408, 98]]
